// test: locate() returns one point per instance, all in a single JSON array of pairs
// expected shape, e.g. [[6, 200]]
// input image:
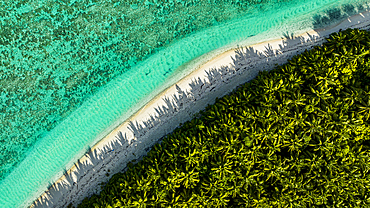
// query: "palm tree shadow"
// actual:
[[205, 88], [336, 14], [70, 185], [181, 107]]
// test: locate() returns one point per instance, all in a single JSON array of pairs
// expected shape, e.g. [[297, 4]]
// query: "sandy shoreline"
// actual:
[[176, 105]]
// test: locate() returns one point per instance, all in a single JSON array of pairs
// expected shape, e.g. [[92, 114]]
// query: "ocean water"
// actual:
[[71, 69], [56, 54]]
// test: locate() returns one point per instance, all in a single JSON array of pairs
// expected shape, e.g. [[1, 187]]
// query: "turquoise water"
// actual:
[[55, 54], [70, 70]]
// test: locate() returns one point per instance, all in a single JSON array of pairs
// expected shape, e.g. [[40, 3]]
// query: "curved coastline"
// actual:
[[139, 116], [202, 96]]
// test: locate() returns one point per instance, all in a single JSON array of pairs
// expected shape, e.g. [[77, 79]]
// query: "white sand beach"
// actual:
[[177, 104]]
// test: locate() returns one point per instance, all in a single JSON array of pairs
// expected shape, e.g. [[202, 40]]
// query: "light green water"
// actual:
[[59, 92]]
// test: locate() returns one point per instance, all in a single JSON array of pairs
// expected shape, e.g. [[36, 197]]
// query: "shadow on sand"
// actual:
[[177, 110]]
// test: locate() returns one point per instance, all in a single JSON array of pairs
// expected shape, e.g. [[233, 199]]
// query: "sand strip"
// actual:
[[177, 104]]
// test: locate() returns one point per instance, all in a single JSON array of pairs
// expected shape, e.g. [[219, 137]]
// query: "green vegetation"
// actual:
[[297, 136]]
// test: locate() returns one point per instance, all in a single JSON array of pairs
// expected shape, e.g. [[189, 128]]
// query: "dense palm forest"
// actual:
[[296, 136]]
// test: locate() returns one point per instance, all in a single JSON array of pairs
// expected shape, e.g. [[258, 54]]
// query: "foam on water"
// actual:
[[121, 97]]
